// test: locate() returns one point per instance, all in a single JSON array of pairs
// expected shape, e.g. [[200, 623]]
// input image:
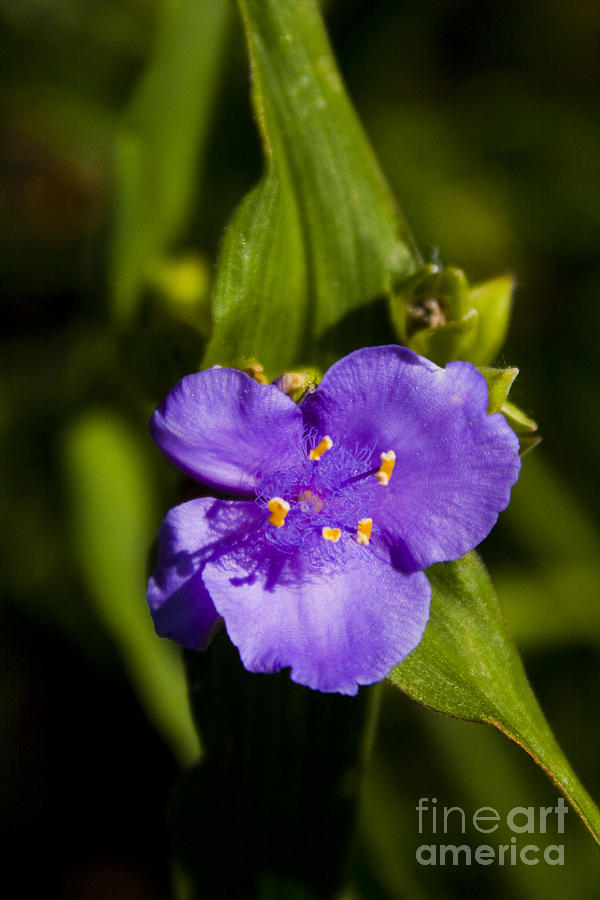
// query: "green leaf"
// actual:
[[160, 139], [317, 243], [114, 522], [249, 324], [467, 667]]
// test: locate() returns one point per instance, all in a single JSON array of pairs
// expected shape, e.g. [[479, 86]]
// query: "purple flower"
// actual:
[[392, 464]]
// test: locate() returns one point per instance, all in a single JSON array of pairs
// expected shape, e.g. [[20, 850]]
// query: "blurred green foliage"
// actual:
[[111, 514], [160, 142], [484, 118]]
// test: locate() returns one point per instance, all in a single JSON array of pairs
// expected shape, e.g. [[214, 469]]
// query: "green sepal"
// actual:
[[446, 287], [499, 382], [453, 292], [523, 426], [493, 302], [446, 342], [519, 421], [401, 296]]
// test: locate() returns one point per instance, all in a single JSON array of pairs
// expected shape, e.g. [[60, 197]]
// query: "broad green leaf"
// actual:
[[319, 241], [248, 323], [114, 522], [467, 667], [160, 139]]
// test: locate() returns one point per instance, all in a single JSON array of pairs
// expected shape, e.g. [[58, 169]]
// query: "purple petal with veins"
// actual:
[[392, 464]]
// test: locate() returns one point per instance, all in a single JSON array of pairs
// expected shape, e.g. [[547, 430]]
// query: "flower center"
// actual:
[[310, 502], [332, 494]]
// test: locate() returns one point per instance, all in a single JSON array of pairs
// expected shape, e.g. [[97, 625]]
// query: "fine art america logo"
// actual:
[[521, 820]]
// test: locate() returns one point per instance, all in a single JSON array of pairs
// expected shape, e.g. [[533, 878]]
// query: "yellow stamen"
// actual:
[[279, 509], [325, 444], [256, 371], [363, 534], [332, 534], [388, 461]]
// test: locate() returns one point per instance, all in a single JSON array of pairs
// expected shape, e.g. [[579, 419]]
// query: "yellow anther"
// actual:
[[325, 444], [332, 534], [256, 371], [388, 461], [363, 534], [279, 509]]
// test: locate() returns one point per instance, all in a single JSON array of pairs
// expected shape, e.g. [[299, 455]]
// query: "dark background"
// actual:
[[484, 116]]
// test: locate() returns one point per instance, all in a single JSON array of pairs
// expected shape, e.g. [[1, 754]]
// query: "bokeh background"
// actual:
[[484, 116]]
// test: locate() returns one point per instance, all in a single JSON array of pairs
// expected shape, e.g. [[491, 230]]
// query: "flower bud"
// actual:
[[298, 385], [438, 315]]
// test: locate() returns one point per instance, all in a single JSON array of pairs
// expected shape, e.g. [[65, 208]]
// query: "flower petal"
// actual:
[[226, 430], [191, 534], [455, 465], [336, 627]]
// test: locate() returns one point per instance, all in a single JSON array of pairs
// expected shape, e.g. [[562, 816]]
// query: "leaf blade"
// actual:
[[467, 667], [346, 239]]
